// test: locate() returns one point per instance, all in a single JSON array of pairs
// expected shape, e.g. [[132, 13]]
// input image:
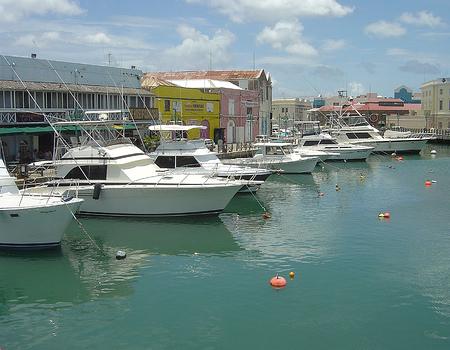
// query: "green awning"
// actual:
[[42, 129]]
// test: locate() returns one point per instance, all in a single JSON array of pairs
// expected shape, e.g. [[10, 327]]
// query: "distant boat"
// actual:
[[277, 156], [188, 155], [367, 135], [335, 151], [32, 221]]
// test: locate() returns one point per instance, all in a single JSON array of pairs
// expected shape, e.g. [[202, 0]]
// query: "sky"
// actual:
[[309, 47]]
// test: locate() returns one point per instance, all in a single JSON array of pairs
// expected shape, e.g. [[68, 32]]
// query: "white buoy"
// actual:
[[393, 154], [120, 255], [433, 151]]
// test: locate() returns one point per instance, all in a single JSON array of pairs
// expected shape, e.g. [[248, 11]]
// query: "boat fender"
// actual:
[[66, 198], [97, 190]]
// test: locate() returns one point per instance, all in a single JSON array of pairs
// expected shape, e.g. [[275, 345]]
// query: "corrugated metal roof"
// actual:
[[205, 84], [15, 85], [212, 74], [43, 70], [151, 81]]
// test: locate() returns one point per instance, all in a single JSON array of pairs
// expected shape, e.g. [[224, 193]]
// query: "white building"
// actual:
[[436, 103]]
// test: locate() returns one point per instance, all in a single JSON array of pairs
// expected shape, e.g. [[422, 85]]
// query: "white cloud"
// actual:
[[395, 51], [287, 36], [356, 88], [37, 40], [15, 10], [196, 48], [333, 45], [385, 29], [422, 18], [97, 38], [275, 10]]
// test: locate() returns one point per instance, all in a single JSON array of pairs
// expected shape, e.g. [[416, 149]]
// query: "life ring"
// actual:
[[373, 118]]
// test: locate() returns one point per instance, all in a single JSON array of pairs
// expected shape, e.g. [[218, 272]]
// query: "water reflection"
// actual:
[[84, 269]]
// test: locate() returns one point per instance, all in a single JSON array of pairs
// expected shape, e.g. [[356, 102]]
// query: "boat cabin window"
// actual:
[[93, 172], [187, 161], [358, 135], [327, 142], [310, 143], [165, 162], [274, 151]]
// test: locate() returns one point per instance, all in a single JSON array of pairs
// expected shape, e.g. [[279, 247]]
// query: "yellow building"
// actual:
[[186, 105]]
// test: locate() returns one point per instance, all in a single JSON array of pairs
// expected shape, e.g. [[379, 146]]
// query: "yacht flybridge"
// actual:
[[116, 178], [188, 155], [30, 221]]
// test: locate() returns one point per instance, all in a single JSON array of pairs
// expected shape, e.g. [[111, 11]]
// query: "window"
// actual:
[[165, 162], [327, 142], [166, 105], [54, 100], [441, 91], [440, 125], [358, 135], [7, 99], [2, 104], [441, 105], [59, 100], [187, 161], [133, 102], [250, 111], [19, 99], [311, 143], [93, 172], [231, 107]]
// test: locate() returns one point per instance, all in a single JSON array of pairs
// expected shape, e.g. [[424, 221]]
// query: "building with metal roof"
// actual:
[[31, 88], [254, 80]]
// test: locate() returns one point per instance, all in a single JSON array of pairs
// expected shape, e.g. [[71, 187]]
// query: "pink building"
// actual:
[[239, 108], [239, 114]]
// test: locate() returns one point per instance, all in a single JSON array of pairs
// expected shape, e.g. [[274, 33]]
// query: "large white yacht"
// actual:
[[30, 221], [357, 130], [115, 178], [187, 155], [335, 151], [278, 156]]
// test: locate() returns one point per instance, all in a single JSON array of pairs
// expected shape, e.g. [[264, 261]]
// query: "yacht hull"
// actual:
[[349, 154], [297, 166], [37, 225], [394, 145], [154, 201]]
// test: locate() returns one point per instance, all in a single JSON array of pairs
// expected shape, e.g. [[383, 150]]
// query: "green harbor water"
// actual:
[[202, 283]]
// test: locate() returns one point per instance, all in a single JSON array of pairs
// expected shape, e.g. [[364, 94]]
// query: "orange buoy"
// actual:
[[387, 215], [292, 275], [266, 215], [428, 183], [278, 282], [399, 158]]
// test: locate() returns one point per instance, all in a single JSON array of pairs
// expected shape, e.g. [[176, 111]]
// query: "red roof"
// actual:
[[212, 74]]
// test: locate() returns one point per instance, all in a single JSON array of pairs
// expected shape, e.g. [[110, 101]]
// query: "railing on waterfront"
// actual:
[[439, 134]]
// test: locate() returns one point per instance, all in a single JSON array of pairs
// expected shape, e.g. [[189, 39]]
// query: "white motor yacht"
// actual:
[[277, 156], [186, 155], [118, 179], [32, 221], [334, 150], [356, 130]]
